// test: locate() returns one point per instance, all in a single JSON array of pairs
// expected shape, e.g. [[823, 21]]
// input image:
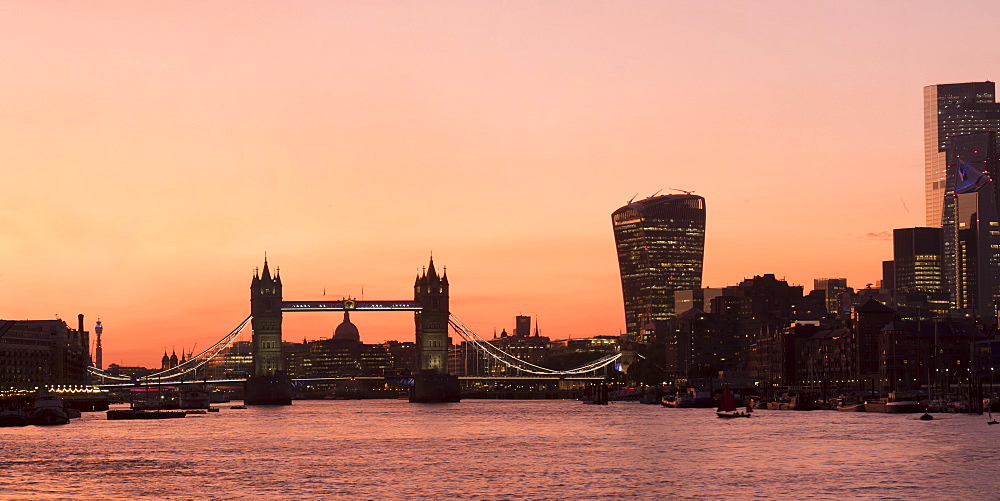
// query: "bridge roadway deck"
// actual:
[[350, 304], [358, 378]]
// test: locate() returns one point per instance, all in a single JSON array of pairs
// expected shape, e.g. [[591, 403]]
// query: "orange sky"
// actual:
[[153, 151]]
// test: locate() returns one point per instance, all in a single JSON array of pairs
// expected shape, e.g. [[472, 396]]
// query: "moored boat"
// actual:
[[851, 407], [13, 417], [48, 410], [194, 397], [693, 398], [116, 414], [800, 402], [894, 405]]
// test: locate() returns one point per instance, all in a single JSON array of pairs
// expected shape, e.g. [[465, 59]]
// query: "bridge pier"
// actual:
[[268, 390], [435, 388]]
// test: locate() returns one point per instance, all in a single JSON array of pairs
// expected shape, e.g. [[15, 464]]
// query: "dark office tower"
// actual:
[[888, 275], [832, 291], [950, 110], [917, 258], [522, 326], [971, 229], [661, 246]]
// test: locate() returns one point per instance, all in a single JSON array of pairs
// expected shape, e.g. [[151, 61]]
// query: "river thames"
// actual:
[[502, 450]]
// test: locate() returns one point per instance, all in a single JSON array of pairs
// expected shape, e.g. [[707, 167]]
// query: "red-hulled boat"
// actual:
[[727, 408]]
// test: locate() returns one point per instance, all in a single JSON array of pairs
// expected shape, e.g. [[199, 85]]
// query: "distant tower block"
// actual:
[[99, 351]]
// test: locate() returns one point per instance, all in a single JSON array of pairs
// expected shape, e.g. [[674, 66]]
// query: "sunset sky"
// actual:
[[152, 152]]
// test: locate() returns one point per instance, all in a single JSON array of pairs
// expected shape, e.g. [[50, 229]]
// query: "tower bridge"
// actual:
[[270, 385], [430, 381]]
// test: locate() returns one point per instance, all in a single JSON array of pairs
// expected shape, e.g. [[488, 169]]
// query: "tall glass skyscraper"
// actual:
[[972, 226], [951, 110], [661, 246]]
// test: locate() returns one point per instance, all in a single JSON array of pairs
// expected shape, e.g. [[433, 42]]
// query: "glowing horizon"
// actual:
[[154, 152]]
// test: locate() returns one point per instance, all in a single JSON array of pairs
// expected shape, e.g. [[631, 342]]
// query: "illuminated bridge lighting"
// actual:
[[522, 369], [350, 305]]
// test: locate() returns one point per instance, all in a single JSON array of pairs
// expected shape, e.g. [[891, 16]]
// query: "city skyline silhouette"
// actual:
[[154, 153]]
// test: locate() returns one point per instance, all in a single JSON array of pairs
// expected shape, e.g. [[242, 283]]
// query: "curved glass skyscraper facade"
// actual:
[[661, 247]]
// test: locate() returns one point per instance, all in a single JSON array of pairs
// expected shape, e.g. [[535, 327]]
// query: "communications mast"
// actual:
[[99, 351]]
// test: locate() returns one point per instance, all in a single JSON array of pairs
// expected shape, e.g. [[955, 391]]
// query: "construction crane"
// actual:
[[686, 192]]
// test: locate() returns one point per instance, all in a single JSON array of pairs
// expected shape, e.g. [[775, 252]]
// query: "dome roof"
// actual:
[[347, 331]]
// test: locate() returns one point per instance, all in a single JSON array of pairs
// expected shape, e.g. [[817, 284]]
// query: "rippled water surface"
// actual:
[[502, 450]]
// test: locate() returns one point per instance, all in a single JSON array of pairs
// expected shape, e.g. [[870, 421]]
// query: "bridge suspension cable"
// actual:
[[190, 365], [482, 345], [519, 364]]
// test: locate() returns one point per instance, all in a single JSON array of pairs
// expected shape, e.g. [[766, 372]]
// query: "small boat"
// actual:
[[727, 408], [693, 398], [116, 414], [194, 397], [851, 407], [848, 404], [800, 402], [237, 407], [894, 405], [48, 410], [992, 420], [926, 417], [13, 417]]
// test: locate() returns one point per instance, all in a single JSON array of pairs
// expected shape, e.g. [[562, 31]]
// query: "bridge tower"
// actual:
[[268, 384], [431, 382], [265, 306], [431, 291]]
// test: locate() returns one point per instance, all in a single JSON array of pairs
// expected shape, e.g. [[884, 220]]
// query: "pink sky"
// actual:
[[152, 152]]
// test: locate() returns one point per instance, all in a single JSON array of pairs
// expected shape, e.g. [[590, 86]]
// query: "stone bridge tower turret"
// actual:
[[265, 306], [431, 291]]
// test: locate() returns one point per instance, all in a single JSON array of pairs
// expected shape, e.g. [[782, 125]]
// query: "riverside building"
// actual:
[[36, 353]]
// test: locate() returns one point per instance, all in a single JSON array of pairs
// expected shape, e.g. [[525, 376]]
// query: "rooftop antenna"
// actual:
[[657, 193], [631, 199], [686, 192]]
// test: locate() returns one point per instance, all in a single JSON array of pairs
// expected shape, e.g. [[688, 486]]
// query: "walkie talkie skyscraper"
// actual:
[[661, 247]]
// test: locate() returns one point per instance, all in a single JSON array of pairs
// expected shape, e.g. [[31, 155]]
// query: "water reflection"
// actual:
[[389, 449]]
